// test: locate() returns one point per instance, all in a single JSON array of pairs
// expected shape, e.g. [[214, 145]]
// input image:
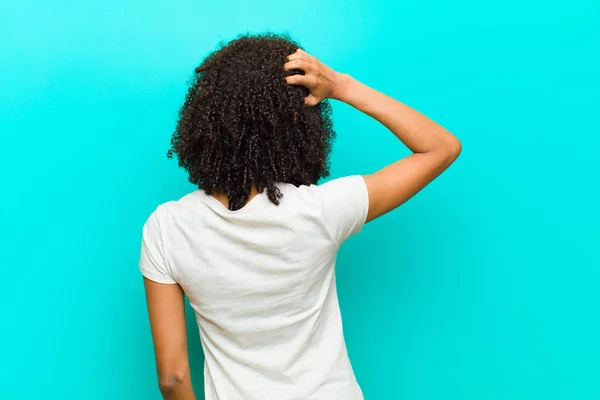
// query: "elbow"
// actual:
[[454, 149], [169, 383], [451, 150]]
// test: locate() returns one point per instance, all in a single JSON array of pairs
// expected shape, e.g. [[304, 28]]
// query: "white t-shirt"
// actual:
[[262, 283]]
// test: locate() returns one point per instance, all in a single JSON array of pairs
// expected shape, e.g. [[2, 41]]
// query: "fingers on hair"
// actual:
[[297, 64], [299, 54], [295, 79], [304, 80]]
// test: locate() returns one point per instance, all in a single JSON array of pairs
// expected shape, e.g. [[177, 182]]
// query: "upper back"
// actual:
[[274, 253]]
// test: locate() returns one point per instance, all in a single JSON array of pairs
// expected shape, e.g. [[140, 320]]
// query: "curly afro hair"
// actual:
[[243, 125]]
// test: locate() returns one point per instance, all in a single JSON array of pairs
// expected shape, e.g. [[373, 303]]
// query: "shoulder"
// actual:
[[344, 189], [344, 204], [343, 183], [351, 185], [302, 193], [170, 210]]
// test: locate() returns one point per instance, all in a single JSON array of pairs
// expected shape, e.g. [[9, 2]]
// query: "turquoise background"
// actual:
[[484, 286]]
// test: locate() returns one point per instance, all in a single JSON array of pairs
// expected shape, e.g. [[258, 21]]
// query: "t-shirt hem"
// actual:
[[157, 278]]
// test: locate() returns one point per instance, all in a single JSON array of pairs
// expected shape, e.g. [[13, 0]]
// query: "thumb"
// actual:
[[311, 100]]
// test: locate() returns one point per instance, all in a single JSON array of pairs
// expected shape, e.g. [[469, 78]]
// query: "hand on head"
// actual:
[[322, 81]]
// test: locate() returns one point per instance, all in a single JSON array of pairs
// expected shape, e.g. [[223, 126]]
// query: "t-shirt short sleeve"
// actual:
[[152, 259], [345, 203]]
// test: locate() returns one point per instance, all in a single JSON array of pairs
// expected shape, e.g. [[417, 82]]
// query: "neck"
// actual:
[[224, 199]]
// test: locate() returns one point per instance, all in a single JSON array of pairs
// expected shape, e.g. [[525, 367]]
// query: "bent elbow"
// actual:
[[449, 150], [454, 149], [168, 383]]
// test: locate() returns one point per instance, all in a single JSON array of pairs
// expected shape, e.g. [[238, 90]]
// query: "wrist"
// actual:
[[341, 86]]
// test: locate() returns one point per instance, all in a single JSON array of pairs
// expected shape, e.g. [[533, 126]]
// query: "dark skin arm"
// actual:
[[166, 309]]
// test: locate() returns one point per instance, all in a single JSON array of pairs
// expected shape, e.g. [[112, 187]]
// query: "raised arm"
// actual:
[[433, 147]]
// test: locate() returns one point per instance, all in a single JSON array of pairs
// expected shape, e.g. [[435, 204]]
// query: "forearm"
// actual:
[[419, 133]]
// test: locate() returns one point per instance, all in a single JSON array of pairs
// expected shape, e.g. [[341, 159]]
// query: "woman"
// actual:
[[254, 248]]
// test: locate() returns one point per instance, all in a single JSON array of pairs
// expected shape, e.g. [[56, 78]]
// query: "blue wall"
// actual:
[[485, 286]]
